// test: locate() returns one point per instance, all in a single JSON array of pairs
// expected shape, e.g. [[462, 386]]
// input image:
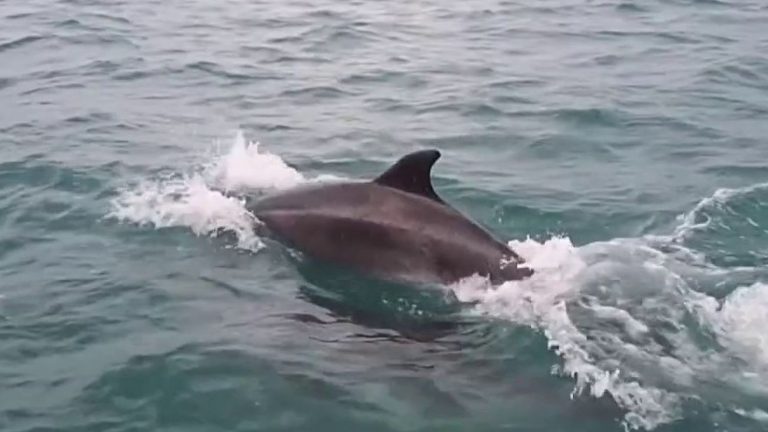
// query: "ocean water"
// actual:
[[620, 146]]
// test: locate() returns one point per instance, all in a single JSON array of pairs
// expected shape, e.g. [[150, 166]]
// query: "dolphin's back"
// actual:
[[383, 230]]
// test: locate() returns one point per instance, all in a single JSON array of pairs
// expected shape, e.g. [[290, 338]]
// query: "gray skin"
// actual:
[[394, 227]]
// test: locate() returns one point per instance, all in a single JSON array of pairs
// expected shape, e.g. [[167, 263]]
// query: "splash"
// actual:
[[198, 199], [632, 319], [245, 166], [541, 302], [186, 201], [740, 321]]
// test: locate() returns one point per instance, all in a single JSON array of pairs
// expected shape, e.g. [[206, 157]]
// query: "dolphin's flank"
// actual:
[[394, 227]]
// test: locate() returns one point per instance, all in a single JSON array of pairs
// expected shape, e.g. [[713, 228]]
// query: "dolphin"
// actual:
[[394, 227]]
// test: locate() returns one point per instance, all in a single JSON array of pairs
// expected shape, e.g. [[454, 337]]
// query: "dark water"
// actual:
[[627, 139]]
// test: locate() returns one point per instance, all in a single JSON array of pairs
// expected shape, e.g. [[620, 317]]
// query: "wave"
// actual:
[[698, 218], [20, 42]]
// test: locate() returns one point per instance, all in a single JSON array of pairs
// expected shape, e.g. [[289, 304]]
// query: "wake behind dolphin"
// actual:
[[393, 227]]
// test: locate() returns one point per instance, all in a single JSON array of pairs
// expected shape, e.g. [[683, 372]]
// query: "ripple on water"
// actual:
[[195, 380], [20, 42]]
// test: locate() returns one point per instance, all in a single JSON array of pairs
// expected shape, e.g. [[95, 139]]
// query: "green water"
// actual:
[[618, 145]]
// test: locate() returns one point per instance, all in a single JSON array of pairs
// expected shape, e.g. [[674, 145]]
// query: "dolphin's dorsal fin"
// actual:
[[412, 174]]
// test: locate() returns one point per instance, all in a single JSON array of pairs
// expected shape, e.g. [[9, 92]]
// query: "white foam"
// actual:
[[246, 166], [186, 201], [696, 219], [755, 414], [633, 327], [740, 322], [618, 315], [195, 199], [541, 302]]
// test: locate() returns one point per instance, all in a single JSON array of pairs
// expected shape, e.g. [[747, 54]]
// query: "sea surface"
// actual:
[[621, 146]]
